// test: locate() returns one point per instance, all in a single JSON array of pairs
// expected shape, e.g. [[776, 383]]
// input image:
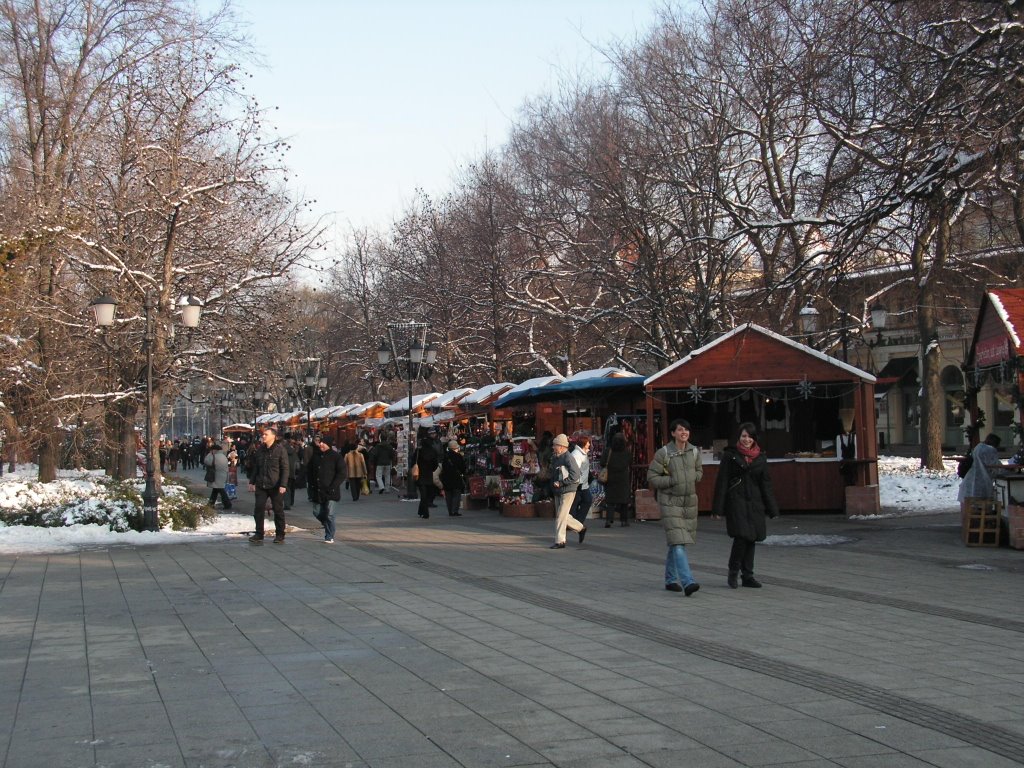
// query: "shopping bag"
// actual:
[[231, 490], [366, 487]]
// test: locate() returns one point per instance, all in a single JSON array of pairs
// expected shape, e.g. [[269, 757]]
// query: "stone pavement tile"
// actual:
[[889, 760], [112, 715], [898, 734], [965, 757], [34, 753], [766, 752], [585, 715], [389, 739], [435, 760], [700, 757], [666, 738], [123, 756], [823, 738], [566, 750]]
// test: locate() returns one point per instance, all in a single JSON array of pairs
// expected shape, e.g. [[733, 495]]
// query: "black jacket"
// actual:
[[426, 461], [453, 472], [270, 466], [743, 493], [330, 474]]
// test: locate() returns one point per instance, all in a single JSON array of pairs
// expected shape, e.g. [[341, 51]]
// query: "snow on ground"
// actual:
[[904, 488]]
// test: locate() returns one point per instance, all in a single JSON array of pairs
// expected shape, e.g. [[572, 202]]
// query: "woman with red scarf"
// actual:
[[743, 493]]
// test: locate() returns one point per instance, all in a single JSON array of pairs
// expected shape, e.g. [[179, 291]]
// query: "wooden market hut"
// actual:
[[478, 410], [995, 365], [801, 400]]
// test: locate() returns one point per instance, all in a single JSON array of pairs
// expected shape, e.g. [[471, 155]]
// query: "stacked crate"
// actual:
[[980, 522], [1015, 520], [646, 505]]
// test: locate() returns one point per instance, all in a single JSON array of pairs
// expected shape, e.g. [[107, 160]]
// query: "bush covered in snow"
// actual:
[[89, 497]]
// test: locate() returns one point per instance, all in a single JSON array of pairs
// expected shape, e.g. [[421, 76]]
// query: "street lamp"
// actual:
[[103, 308], [415, 363], [227, 402], [313, 385]]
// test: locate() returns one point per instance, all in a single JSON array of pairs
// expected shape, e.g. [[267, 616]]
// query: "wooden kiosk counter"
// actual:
[[815, 414]]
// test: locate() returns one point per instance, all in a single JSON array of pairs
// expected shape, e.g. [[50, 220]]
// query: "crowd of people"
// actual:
[[743, 492]]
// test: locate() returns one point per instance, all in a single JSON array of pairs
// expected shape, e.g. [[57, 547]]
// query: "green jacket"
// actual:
[[674, 475]]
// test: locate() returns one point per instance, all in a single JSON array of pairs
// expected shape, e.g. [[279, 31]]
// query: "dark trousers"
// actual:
[[622, 509], [225, 501], [452, 499], [276, 503], [355, 486], [427, 494], [581, 506], [741, 557]]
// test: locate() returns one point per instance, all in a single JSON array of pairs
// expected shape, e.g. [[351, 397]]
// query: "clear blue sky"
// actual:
[[379, 97]]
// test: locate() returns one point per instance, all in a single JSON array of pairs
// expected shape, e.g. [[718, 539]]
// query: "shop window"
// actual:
[[1004, 408], [955, 397]]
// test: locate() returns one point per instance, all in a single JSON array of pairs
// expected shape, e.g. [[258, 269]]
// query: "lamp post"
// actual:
[[312, 385], [809, 326], [103, 308], [227, 402], [415, 363]]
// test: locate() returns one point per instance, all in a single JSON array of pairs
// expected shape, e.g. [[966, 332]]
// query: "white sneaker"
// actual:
[[328, 541]]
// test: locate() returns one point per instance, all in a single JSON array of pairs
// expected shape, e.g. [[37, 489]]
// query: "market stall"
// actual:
[[815, 415]]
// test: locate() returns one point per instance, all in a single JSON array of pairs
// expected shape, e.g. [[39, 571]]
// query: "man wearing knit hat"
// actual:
[[565, 481]]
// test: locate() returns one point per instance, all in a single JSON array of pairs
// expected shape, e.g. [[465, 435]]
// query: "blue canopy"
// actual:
[[570, 390]]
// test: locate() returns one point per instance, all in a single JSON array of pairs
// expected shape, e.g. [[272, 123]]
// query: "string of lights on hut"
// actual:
[[800, 390]]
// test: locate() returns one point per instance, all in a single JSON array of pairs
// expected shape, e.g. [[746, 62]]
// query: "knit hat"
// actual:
[[561, 440], [326, 441], [453, 445]]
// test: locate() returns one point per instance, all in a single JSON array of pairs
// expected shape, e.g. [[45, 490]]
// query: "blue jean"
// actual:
[[677, 567], [326, 517]]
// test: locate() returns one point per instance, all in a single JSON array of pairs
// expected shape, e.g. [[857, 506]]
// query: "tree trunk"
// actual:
[[126, 411]]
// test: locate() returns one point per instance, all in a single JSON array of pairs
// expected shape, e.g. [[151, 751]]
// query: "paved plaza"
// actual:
[[467, 642]]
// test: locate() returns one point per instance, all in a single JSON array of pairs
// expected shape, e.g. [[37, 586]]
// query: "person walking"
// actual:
[[330, 474], [426, 460], [581, 455], [743, 494], [269, 482], [617, 488], [217, 460], [673, 474], [292, 448], [977, 483], [310, 467], [565, 479], [453, 477], [386, 455], [355, 470]]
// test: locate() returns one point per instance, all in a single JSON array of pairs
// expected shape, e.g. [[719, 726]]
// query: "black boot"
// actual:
[[734, 580]]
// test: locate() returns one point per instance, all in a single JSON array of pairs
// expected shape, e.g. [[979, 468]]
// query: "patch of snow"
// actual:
[[805, 540]]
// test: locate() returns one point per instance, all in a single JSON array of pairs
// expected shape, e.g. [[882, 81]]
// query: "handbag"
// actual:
[[211, 474], [602, 476], [436, 477]]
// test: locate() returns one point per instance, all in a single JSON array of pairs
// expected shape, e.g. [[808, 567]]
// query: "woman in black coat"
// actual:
[[743, 493], [617, 489], [453, 478], [426, 460]]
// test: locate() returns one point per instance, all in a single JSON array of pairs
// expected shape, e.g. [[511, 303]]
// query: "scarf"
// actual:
[[749, 454]]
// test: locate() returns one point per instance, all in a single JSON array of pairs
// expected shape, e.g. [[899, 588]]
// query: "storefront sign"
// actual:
[[991, 351]]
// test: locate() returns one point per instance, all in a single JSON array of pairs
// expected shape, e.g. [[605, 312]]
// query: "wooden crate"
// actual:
[[981, 522], [646, 506], [544, 508], [517, 510], [1015, 521]]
